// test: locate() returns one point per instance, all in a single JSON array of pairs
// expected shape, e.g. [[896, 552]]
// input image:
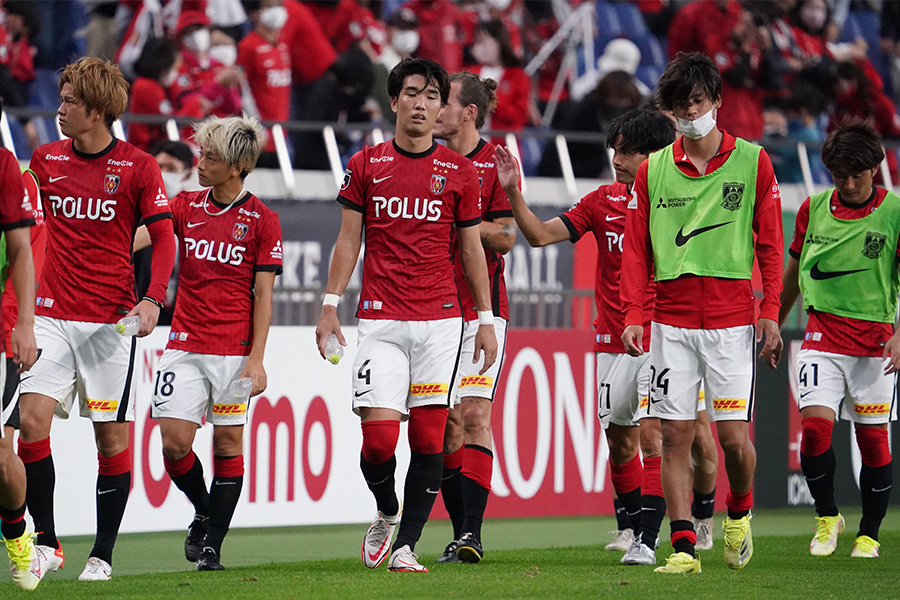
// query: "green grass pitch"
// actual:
[[525, 558]]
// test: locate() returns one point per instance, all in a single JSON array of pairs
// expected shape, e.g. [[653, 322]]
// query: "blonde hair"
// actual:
[[99, 85], [236, 140]]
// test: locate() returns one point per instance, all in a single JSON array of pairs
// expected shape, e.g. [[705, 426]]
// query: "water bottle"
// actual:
[[241, 388], [128, 326], [334, 352]]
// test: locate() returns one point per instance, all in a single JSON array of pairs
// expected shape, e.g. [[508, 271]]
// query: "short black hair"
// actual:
[[643, 130], [430, 70], [685, 72], [852, 148], [157, 57], [179, 150]]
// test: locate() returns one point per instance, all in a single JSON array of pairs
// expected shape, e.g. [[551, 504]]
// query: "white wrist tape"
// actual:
[[331, 300], [485, 317]]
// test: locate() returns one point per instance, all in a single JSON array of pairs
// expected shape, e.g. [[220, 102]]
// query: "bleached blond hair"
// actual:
[[236, 140]]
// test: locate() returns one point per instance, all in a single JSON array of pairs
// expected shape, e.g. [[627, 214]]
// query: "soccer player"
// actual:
[[27, 563], [230, 255], [468, 459], [95, 190], [411, 193], [843, 259], [702, 208], [622, 380]]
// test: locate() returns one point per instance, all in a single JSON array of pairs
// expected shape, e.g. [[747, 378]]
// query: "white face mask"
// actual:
[[813, 17], [273, 17], [499, 4], [198, 41], [169, 78], [224, 53], [697, 128], [173, 182], [405, 41]]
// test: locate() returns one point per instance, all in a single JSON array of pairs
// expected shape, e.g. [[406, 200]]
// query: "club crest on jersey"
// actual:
[[240, 231], [437, 183], [345, 183], [111, 183], [874, 244], [732, 192]]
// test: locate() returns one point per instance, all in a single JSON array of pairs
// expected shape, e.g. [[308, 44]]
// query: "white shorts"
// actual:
[[468, 382], [723, 361], [403, 364], [854, 387], [9, 402], [189, 386], [87, 359], [623, 382]]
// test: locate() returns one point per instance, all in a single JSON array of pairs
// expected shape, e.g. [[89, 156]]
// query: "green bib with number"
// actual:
[[703, 225]]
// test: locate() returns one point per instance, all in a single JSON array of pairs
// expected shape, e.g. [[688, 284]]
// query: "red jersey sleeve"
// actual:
[[579, 218], [768, 227], [637, 253], [800, 226], [268, 250], [152, 200], [15, 209], [499, 206], [353, 193], [468, 208]]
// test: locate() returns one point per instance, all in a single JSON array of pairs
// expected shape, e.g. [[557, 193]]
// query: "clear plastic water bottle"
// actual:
[[334, 352], [240, 388], [128, 326]]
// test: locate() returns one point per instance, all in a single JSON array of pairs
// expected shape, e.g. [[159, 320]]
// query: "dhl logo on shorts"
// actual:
[[229, 409], [645, 401], [871, 409], [428, 389], [477, 381], [730, 403], [701, 397], [103, 405]]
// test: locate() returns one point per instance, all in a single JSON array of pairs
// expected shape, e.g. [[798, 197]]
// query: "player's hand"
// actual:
[[507, 168], [891, 354], [23, 348], [255, 371], [149, 314], [328, 324], [771, 351], [633, 339], [485, 340]]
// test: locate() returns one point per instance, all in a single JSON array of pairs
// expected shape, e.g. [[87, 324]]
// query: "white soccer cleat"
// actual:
[[825, 540], [52, 559], [24, 563], [623, 540], [96, 569], [704, 529], [377, 543], [404, 560], [639, 554]]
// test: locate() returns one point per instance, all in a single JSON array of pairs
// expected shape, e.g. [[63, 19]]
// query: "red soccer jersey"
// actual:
[[220, 255], [268, 70], [833, 333], [410, 203], [494, 205], [603, 212], [92, 205]]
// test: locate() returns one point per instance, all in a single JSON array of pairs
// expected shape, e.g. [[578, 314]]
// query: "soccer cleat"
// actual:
[[622, 541], [680, 562], [52, 558], [738, 541], [96, 569], [639, 554], [865, 547], [377, 543], [469, 550], [449, 555], [209, 560], [704, 530], [24, 562], [825, 540], [193, 543], [404, 560]]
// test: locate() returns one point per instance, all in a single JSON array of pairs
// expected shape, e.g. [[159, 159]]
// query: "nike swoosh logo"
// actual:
[[226, 483], [820, 275], [55, 179], [601, 417], [681, 239], [431, 491], [882, 489], [192, 225], [358, 394], [158, 404], [609, 218], [805, 394], [101, 492], [379, 180]]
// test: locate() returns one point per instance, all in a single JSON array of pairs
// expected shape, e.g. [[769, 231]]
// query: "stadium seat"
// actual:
[[609, 25], [851, 29]]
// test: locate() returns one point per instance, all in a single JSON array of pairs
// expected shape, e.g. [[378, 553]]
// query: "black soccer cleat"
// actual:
[[193, 543], [469, 549], [449, 555], [209, 560]]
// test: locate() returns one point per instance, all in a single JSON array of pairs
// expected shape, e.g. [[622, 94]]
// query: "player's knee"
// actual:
[[816, 438], [227, 441], [379, 441], [873, 446], [426, 429], [453, 436]]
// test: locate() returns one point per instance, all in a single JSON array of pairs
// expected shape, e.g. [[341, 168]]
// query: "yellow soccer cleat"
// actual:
[[738, 542], [825, 540], [680, 562], [865, 547], [24, 563]]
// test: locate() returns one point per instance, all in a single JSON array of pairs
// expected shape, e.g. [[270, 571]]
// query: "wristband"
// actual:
[[154, 301], [331, 300], [485, 317]]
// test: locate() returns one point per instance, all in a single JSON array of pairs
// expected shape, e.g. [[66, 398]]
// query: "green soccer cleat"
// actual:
[[24, 563], [865, 547], [825, 540], [738, 542], [680, 562]]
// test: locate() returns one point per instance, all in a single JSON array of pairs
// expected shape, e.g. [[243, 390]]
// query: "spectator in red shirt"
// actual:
[[311, 52], [343, 21], [703, 24], [440, 30]]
